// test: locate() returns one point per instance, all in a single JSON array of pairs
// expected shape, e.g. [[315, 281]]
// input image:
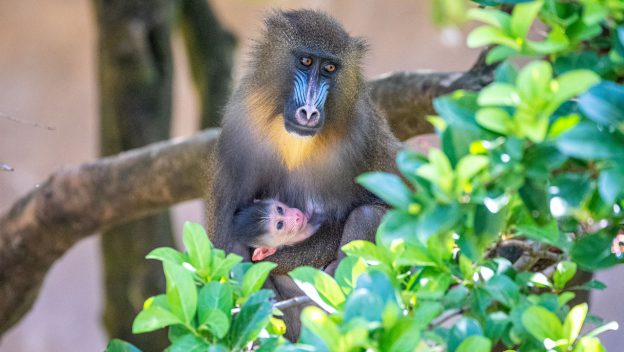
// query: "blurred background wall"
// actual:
[[48, 76]]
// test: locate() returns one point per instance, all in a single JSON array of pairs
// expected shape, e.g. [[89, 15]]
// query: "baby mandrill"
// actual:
[[266, 225]]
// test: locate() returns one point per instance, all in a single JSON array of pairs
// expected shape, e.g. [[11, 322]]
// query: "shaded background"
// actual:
[[48, 76]]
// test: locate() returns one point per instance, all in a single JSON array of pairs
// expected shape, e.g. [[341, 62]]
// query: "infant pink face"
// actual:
[[285, 222]]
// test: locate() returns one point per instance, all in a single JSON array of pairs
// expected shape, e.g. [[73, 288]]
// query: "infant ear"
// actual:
[[261, 253]]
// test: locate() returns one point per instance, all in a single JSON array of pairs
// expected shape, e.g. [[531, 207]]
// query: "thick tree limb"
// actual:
[[76, 202]]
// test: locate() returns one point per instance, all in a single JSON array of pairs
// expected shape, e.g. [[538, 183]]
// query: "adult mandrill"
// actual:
[[300, 128]]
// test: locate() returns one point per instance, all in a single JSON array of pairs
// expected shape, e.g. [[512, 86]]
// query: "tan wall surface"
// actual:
[[48, 76]]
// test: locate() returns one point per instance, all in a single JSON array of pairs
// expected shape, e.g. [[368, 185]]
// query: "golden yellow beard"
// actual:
[[294, 150]]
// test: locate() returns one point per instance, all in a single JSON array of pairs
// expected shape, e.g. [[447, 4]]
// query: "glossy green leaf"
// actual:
[[216, 322], [504, 290], [587, 141], [611, 183], [319, 324], [574, 322], [533, 83], [487, 35], [500, 94], [564, 272], [461, 331], [153, 318], [475, 344], [348, 271], [593, 251], [166, 254], [188, 343], [319, 286], [367, 251], [542, 324], [116, 345], [496, 120], [215, 295], [256, 275], [252, 318], [604, 103], [388, 187], [523, 16], [181, 291], [495, 18], [198, 246], [403, 336]]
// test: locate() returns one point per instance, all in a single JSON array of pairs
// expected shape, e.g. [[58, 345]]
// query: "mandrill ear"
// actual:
[[262, 252]]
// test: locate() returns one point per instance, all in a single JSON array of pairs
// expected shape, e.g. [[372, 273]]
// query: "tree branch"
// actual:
[[78, 201]]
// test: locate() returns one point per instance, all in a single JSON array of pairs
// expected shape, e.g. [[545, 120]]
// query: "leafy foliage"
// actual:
[[529, 163]]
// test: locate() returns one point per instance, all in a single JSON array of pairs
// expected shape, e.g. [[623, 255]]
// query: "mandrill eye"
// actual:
[[305, 61], [280, 224], [330, 68]]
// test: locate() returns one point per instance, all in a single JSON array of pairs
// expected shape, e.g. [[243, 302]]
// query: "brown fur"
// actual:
[[258, 159]]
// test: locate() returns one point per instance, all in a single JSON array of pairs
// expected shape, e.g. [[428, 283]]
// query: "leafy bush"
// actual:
[[528, 167]]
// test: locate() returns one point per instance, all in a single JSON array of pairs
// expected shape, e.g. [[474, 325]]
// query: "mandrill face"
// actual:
[[314, 74]]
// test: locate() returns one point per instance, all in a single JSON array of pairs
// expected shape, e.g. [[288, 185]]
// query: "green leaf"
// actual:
[[542, 324], [390, 188], [221, 267], [569, 85], [413, 255], [166, 254], [153, 318], [487, 35], [403, 336], [432, 284], [216, 322], [611, 184], [603, 103], [254, 277], [254, 315], [504, 290], [563, 124], [319, 324], [116, 345], [462, 330], [522, 17], [367, 251], [495, 18], [215, 295], [397, 225], [469, 166], [496, 120], [188, 343], [506, 72], [589, 344], [319, 286], [574, 322], [593, 252], [587, 141], [475, 344], [499, 94], [533, 83], [181, 292], [347, 273], [564, 272], [198, 246]]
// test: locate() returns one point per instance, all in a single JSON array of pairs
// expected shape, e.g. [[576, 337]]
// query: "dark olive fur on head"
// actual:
[[269, 149]]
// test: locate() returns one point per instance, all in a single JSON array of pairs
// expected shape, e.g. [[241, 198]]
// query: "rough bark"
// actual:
[[136, 72], [79, 201], [210, 49]]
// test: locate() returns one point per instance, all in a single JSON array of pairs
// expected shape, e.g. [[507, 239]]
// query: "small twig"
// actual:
[[5, 167], [445, 317], [289, 303], [28, 123], [292, 302]]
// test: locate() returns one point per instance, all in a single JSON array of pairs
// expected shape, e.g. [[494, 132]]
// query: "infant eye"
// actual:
[[305, 61], [280, 224], [280, 210]]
